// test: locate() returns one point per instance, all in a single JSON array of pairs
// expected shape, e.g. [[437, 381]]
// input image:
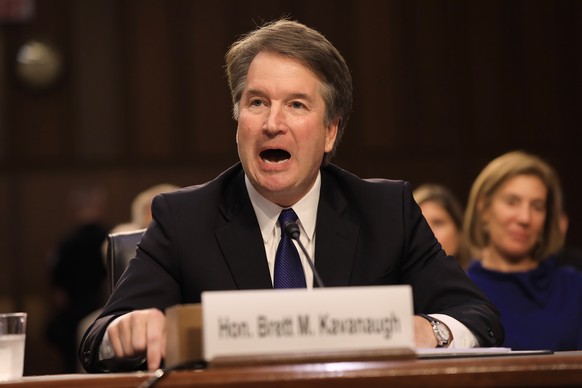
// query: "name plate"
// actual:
[[278, 322]]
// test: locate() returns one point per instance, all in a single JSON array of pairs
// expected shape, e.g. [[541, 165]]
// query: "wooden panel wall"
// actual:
[[441, 87]]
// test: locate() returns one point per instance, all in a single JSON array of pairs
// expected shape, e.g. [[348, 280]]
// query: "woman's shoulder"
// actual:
[[565, 275]]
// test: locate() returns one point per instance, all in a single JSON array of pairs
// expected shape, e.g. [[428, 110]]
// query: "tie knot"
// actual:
[[287, 216]]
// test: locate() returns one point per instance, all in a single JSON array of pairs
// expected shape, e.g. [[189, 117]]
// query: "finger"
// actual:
[[138, 331], [127, 328], [115, 340], [164, 339], [156, 339], [119, 332]]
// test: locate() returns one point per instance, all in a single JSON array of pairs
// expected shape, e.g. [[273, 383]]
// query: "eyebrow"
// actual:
[[254, 92], [292, 96], [519, 197]]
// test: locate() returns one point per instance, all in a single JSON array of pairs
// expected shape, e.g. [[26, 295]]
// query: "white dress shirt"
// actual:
[[267, 214]]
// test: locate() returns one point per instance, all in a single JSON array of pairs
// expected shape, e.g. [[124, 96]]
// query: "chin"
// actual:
[[517, 256]]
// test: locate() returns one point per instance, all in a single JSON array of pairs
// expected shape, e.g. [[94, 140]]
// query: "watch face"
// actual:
[[442, 333]]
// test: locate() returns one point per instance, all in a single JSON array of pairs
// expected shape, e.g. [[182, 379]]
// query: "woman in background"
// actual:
[[444, 215], [512, 227]]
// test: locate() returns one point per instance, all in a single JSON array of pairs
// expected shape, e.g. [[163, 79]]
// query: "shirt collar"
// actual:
[[268, 212]]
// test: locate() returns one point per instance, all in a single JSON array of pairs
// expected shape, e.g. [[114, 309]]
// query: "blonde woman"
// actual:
[[512, 227]]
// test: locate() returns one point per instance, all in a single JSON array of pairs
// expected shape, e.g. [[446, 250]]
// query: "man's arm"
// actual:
[[440, 286], [139, 334]]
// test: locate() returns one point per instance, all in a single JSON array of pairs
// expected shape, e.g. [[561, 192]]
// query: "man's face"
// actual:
[[281, 135]]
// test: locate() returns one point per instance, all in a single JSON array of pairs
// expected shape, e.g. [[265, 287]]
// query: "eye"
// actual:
[[256, 102], [539, 206], [297, 105], [511, 200], [437, 223]]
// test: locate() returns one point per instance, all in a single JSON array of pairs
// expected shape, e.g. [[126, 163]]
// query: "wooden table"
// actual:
[[558, 370]]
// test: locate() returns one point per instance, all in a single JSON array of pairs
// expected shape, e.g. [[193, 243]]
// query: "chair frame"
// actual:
[[121, 248]]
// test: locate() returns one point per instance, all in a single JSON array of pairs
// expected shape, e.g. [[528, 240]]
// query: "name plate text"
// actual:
[[271, 322]]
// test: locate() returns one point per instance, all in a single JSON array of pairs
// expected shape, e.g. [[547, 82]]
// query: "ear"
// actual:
[[331, 134]]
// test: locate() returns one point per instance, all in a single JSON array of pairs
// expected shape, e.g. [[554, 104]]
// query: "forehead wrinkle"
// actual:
[[254, 92]]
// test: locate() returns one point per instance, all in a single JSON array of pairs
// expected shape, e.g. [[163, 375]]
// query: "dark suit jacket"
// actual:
[[369, 232]]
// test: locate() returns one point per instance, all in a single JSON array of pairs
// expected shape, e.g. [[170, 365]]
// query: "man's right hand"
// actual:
[[140, 332]]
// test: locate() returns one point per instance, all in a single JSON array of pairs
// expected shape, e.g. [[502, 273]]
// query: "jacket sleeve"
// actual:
[[89, 351], [439, 284]]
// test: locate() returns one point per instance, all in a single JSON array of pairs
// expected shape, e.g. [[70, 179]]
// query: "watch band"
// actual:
[[441, 331]]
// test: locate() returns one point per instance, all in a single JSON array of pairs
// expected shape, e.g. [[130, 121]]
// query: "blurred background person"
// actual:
[[444, 215], [141, 217], [512, 223], [141, 214], [77, 272]]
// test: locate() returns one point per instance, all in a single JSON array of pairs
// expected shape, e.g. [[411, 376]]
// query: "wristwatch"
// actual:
[[441, 331]]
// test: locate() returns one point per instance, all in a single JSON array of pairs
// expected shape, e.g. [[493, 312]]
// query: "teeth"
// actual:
[[275, 156], [274, 162]]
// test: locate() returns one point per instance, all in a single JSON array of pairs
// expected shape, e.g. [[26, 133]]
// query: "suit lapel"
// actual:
[[240, 239], [242, 245], [336, 237]]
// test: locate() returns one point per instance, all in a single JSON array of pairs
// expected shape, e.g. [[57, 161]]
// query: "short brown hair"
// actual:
[[488, 182], [310, 47]]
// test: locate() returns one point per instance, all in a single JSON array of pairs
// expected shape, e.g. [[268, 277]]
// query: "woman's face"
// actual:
[[442, 225], [515, 218]]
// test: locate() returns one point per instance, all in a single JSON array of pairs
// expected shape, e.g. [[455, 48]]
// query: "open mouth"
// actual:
[[275, 156]]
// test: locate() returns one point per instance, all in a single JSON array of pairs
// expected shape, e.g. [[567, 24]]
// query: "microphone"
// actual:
[[292, 230]]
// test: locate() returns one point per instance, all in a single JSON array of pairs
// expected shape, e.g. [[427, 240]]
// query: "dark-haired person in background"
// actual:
[[444, 214], [77, 272]]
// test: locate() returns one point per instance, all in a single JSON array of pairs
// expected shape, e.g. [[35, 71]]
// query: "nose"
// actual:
[[524, 214], [274, 120]]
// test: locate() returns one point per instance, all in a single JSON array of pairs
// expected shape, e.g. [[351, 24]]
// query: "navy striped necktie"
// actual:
[[288, 269]]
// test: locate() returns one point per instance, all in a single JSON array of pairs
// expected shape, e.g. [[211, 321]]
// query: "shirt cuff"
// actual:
[[105, 350]]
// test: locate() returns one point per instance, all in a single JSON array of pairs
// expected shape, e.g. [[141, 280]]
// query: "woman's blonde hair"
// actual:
[[496, 173]]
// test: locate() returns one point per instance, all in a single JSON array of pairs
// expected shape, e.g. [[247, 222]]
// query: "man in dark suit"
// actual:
[[292, 96]]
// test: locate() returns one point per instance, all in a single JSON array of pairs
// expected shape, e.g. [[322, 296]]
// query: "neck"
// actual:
[[494, 261]]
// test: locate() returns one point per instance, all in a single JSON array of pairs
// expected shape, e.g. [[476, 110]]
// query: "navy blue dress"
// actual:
[[540, 309]]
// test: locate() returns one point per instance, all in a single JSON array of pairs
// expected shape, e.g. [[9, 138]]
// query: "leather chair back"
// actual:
[[121, 248]]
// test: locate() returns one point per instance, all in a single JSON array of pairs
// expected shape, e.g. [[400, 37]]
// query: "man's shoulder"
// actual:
[[345, 179], [210, 189], [342, 190], [226, 192]]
